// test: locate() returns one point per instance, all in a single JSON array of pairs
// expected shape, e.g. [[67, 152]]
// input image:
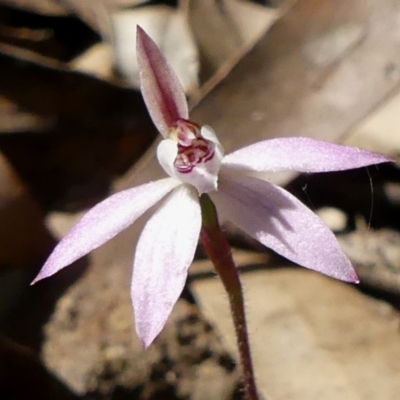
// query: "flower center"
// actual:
[[192, 155], [193, 149]]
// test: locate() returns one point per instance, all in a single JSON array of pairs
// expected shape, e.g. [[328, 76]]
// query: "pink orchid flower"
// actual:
[[194, 159]]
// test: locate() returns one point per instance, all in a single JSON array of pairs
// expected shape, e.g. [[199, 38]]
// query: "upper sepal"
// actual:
[[161, 89]]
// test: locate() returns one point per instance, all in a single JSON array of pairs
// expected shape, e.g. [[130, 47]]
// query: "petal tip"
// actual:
[[385, 159], [139, 30], [146, 343], [37, 279], [351, 277], [44, 273], [141, 36], [354, 279], [146, 338]]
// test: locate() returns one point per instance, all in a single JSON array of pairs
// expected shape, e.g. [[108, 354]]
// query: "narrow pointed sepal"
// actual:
[[103, 222], [278, 220], [301, 154], [161, 89]]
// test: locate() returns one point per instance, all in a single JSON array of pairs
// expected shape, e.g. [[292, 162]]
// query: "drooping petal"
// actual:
[[103, 222], [161, 89], [281, 222], [301, 154], [164, 253]]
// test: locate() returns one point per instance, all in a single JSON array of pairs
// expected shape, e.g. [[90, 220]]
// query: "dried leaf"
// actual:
[[98, 61], [47, 7], [83, 112], [45, 86], [22, 376], [94, 12], [224, 30], [64, 7], [376, 257], [24, 241], [312, 337], [380, 131], [14, 120]]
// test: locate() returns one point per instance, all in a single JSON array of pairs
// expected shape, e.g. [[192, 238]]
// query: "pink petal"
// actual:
[[281, 222], [161, 89], [164, 253], [301, 154], [103, 222]]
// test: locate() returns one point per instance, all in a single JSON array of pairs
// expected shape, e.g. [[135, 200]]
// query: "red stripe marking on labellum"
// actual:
[[193, 149]]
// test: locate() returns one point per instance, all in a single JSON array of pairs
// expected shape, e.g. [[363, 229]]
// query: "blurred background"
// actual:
[[74, 129]]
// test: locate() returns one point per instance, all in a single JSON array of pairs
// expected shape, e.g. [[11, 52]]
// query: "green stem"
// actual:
[[217, 248]]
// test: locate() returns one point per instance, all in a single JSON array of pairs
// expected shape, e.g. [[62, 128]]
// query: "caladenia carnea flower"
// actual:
[[194, 159]]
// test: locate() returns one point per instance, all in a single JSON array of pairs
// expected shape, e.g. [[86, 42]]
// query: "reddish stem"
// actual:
[[217, 248]]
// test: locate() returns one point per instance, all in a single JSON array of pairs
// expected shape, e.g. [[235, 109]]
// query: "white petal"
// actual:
[[300, 154], [164, 253], [208, 133], [204, 177], [280, 221], [167, 150], [103, 222]]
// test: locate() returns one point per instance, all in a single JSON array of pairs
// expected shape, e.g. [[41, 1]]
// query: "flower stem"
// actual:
[[217, 248]]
